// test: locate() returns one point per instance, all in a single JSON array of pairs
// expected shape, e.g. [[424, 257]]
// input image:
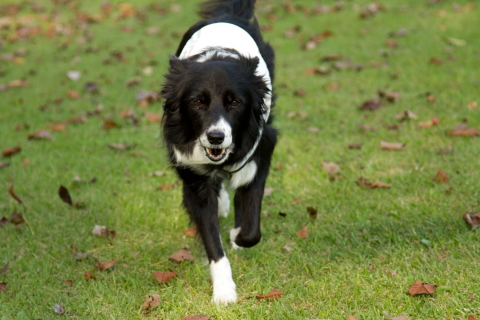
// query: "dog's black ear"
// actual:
[[177, 65], [249, 65]]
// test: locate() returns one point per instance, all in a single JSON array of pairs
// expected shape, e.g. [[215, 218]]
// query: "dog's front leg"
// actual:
[[248, 203], [201, 200]]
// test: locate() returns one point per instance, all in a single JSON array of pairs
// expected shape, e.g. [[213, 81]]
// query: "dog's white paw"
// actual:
[[223, 203], [233, 236], [224, 289], [225, 294]]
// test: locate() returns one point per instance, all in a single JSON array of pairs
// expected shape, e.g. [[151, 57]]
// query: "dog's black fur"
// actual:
[[195, 95]]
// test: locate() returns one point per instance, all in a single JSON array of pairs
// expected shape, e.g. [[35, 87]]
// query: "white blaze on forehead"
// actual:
[[223, 126], [229, 36]]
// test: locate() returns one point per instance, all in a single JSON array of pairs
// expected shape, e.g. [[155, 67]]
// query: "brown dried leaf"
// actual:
[[164, 277], [472, 219], [4, 164], [399, 317], [72, 94], [371, 105], [121, 146], [153, 117], [41, 134], [68, 282], [102, 266], [17, 218], [332, 169], [89, 276], [103, 231], [430, 123], [151, 302], [303, 233], [13, 195], [4, 269], [166, 186], [312, 213], [355, 145], [406, 115], [421, 288], [3, 286], [313, 129], [8, 152], [436, 61], [272, 295], [196, 317], [377, 184], [391, 145], [441, 177], [65, 195], [182, 255], [110, 124], [351, 318], [287, 248], [191, 232], [462, 130], [267, 191]]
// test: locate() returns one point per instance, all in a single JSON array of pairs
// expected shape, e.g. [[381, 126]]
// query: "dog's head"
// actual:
[[212, 109]]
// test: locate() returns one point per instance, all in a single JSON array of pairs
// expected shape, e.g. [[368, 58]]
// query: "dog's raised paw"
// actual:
[[233, 236]]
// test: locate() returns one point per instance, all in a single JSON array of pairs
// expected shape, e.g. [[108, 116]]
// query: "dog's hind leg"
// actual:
[[200, 200]]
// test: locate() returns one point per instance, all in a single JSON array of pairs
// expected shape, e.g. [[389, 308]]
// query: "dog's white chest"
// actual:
[[243, 176]]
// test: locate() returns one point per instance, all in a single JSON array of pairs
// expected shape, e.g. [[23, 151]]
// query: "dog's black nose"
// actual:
[[215, 137]]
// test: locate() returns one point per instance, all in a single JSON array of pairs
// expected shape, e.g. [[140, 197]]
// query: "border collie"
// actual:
[[217, 127]]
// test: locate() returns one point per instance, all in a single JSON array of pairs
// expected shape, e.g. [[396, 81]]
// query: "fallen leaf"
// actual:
[[421, 288], [91, 87], [367, 128], [472, 219], [156, 174], [399, 317], [312, 213], [4, 164], [313, 129], [391, 146], [58, 127], [65, 195], [390, 96], [153, 117], [191, 232], [461, 130], [103, 231], [4, 269], [133, 81], [89, 276], [287, 248], [196, 317], [446, 150], [166, 186], [151, 302], [441, 177], [164, 277], [13, 195], [296, 200], [17, 218], [8, 152], [371, 105], [182, 255], [430, 123], [59, 308], [351, 318], [68, 282], [267, 192], [74, 75], [110, 124], [473, 105], [436, 61], [72, 94], [406, 115], [3, 286], [41, 134], [355, 145], [299, 93], [121, 146], [303, 233], [102, 266], [377, 184], [332, 169], [272, 295]]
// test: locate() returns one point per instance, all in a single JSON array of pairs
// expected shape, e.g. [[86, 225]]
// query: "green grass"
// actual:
[[361, 235]]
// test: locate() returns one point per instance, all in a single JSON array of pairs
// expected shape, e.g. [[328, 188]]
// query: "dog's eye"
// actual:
[[197, 102], [234, 103]]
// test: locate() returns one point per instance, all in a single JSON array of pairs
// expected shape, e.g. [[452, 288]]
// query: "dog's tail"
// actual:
[[238, 8]]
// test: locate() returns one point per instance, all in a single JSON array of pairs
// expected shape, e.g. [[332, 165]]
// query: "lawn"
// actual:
[[345, 72]]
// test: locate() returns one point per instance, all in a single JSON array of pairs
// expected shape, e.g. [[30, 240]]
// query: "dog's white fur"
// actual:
[[224, 288]]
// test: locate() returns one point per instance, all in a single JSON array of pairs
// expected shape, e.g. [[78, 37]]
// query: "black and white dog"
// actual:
[[217, 127]]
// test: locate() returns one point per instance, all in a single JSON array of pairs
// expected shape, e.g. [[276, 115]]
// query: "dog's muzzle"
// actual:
[[215, 152]]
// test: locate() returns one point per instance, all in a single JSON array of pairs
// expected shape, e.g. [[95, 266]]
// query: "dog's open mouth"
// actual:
[[215, 154]]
